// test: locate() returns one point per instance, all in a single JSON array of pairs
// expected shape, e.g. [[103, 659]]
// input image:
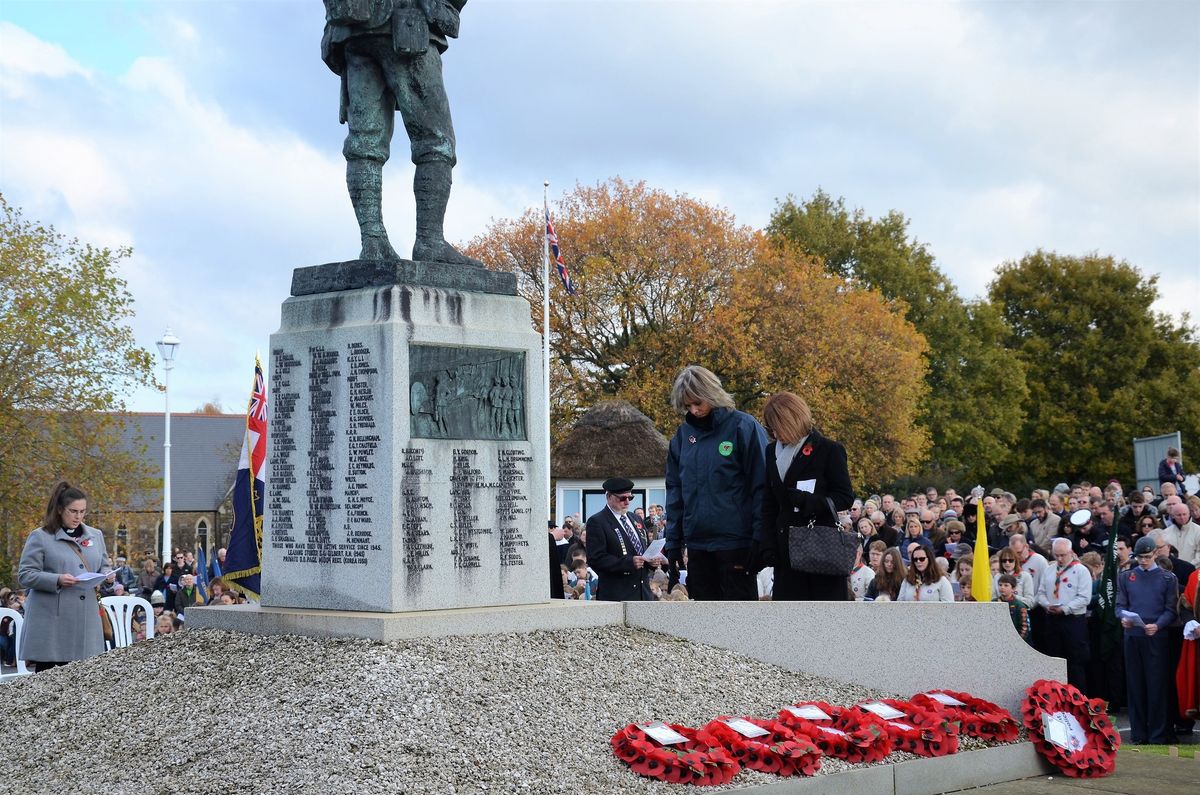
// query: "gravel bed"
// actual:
[[205, 711]]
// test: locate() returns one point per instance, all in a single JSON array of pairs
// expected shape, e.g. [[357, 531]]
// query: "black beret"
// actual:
[[1144, 544], [617, 485]]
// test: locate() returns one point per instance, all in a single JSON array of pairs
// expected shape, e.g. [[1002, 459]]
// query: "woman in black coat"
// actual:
[[802, 454]]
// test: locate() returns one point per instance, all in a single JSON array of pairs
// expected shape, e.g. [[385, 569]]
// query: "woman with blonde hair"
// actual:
[[716, 475]]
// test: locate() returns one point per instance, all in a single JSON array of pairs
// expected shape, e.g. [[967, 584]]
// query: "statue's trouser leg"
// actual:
[[371, 119], [421, 94]]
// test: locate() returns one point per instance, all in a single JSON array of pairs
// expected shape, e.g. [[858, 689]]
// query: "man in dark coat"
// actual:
[[615, 547]]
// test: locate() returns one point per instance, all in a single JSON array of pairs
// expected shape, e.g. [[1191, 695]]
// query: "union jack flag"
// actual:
[[258, 396], [552, 238], [243, 558]]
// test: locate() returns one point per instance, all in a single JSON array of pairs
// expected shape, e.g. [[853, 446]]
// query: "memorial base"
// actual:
[[406, 436], [550, 615]]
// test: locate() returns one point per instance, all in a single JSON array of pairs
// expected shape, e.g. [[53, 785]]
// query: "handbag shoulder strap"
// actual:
[[833, 519]]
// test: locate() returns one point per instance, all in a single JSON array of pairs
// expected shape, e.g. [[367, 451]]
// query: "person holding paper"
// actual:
[[59, 567], [803, 469], [617, 548], [1152, 594]]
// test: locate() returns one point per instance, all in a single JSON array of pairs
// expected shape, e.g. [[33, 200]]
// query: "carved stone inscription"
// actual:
[[362, 444], [337, 496], [467, 393], [466, 481], [512, 506], [282, 475], [415, 509]]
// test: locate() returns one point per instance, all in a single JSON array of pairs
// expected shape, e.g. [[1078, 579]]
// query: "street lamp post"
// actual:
[[166, 348]]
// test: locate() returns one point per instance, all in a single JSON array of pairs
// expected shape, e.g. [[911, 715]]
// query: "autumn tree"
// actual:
[[1104, 367], [789, 324], [972, 407], [67, 357], [648, 267], [666, 280]]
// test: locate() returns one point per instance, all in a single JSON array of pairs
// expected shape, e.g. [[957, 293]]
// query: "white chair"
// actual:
[[17, 621], [120, 613]]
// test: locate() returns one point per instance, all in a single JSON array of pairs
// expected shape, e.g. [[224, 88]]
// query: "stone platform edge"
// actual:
[[256, 620], [355, 274], [961, 771]]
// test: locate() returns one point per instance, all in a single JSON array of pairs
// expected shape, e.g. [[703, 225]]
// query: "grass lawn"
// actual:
[[1185, 751]]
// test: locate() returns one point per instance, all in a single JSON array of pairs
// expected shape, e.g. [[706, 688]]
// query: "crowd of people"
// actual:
[[741, 496]]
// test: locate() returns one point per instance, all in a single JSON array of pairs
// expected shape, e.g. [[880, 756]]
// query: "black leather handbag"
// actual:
[[817, 549]]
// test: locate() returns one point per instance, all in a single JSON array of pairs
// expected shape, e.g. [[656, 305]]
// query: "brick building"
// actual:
[[204, 457]]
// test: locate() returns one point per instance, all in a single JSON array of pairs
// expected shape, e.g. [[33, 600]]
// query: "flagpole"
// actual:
[[546, 326]]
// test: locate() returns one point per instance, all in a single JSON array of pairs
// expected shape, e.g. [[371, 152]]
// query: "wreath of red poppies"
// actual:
[[1097, 757], [781, 751], [923, 730], [700, 760], [856, 736], [976, 718]]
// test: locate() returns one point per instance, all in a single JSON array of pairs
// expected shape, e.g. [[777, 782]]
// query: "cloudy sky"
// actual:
[[205, 135]]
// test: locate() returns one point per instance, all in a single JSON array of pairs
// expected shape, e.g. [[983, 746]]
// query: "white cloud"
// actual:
[[23, 55]]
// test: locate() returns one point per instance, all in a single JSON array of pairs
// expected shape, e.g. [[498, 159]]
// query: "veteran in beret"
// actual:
[[616, 546]]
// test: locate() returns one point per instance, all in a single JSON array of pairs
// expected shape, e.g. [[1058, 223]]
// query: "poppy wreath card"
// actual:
[[976, 717], [698, 759], [920, 730], [848, 733], [1070, 730], [777, 750]]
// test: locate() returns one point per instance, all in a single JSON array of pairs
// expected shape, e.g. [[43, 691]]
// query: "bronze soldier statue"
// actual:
[[389, 56]]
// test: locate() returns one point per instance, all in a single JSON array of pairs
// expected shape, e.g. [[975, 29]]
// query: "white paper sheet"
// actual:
[[900, 725], [809, 485], [745, 727], [1131, 617], [949, 701], [655, 550], [663, 733], [808, 712], [882, 710], [1191, 630], [89, 578]]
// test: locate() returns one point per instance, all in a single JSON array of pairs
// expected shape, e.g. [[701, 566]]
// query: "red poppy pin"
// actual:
[[87, 542], [1133, 578], [806, 449]]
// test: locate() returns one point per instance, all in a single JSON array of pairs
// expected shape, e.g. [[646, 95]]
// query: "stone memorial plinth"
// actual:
[[407, 426]]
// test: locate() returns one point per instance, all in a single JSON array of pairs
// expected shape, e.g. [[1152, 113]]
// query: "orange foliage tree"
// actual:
[[666, 280]]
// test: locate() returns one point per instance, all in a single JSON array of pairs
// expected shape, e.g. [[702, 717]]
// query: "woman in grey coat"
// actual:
[[62, 617]]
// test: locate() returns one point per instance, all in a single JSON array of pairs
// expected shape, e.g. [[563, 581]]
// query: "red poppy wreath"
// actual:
[[777, 749], [920, 730], [976, 717], [698, 759], [1070, 730], [846, 733]]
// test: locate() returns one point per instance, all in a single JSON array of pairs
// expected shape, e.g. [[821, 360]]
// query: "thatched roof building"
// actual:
[[611, 438]]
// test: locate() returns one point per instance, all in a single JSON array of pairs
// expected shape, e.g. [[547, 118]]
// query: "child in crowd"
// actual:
[[962, 573], [1017, 610], [861, 577]]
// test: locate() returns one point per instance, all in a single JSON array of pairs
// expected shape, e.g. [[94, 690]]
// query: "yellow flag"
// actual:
[[981, 574]]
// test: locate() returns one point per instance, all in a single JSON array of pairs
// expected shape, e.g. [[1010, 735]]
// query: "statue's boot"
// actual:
[[364, 178], [431, 189]]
